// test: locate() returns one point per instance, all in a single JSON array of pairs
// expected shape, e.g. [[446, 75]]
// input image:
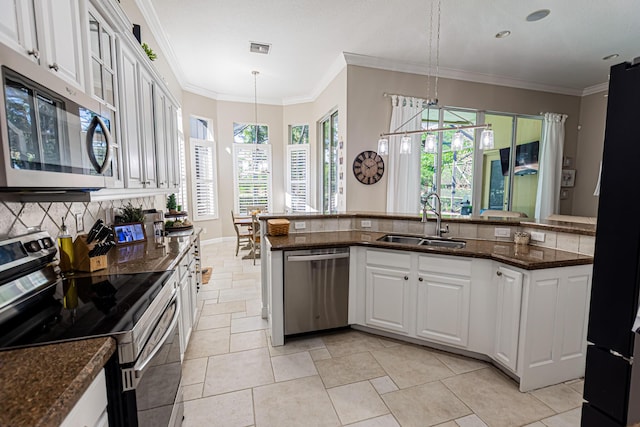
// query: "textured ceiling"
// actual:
[[562, 53]]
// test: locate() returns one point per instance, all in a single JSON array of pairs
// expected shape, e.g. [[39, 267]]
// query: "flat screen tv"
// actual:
[[526, 159]]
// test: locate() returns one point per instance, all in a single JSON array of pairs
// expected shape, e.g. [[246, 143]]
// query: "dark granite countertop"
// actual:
[[40, 385], [523, 256], [566, 227]]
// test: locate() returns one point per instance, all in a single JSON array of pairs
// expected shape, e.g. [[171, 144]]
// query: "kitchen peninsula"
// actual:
[[522, 307]]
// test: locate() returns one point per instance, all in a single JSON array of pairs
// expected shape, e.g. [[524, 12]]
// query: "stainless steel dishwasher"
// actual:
[[316, 289]]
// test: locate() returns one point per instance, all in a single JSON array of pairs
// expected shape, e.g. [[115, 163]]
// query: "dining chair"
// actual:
[[255, 237], [241, 235]]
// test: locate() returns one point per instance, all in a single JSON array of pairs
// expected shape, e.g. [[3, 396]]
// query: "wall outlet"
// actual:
[[365, 224], [299, 225], [502, 232], [79, 222], [537, 236]]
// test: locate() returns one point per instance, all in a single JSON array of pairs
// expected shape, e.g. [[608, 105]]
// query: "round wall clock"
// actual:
[[368, 167]]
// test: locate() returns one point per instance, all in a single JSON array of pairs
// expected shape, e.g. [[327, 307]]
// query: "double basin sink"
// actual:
[[423, 241]]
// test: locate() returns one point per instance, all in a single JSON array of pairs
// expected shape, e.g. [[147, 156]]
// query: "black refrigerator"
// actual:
[[612, 380]]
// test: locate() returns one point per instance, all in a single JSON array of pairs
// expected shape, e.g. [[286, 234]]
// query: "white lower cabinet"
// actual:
[[531, 322], [388, 291], [91, 409], [505, 347], [187, 288]]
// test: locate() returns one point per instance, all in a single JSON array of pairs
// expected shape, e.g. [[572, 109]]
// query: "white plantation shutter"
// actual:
[[205, 188], [297, 198], [252, 177]]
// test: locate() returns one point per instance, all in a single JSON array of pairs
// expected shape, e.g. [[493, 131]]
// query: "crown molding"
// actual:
[[150, 15], [602, 87], [201, 91], [450, 73]]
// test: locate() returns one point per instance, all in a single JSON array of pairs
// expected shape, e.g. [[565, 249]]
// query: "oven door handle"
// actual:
[[140, 365]]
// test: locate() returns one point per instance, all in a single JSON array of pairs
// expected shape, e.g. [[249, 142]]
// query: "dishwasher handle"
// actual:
[[298, 258]]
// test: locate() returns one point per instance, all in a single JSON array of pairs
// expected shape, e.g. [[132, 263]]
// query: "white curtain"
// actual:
[[550, 170], [403, 186]]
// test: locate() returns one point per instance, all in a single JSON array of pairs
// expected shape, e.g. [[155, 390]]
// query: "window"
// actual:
[[329, 147], [298, 166], [510, 170], [449, 172], [251, 167], [204, 191]]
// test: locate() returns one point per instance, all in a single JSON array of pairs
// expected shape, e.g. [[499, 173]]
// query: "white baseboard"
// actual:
[[217, 240]]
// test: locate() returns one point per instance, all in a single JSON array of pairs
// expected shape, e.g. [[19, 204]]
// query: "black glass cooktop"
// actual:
[[81, 307]]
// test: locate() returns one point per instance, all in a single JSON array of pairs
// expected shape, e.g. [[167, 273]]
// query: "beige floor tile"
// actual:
[[408, 365], [425, 405], [351, 342], [470, 421], [239, 315], [244, 283], [292, 366], [566, 419], [320, 354], [384, 384], [577, 385], [194, 370], [254, 307], [246, 324], [247, 341], [208, 343], [559, 397], [218, 284], [223, 308], [191, 392], [244, 276], [448, 424], [383, 421], [459, 364], [348, 369], [237, 371], [357, 402], [301, 402], [536, 424], [297, 345], [206, 294], [227, 410], [239, 294], [214, 322], [496, 399]]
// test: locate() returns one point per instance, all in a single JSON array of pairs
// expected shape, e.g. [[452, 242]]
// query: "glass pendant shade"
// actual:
[[457, 141], [430, 143], [383, 146], [405, 145], [486, 139]]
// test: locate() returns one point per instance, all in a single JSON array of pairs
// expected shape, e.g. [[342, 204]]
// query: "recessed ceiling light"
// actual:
[[612, 56], [503, 34], [259, 47], [538, 15]]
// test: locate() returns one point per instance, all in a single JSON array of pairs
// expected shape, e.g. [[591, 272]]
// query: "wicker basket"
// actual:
[[277, 227]]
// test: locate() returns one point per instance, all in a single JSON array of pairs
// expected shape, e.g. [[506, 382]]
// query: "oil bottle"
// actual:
[[65, 245]]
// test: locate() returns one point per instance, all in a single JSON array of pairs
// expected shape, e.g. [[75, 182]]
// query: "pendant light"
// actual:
[[457, 142], [486, 139], [383, 146], [431, 143], [405, 145]]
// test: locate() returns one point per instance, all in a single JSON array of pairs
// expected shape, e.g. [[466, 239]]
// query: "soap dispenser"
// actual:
[[65, 247]]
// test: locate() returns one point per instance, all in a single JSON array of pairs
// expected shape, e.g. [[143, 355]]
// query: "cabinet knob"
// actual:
[[420, 279], [54, 67], [406, 277], [34, 52], [498, 273]]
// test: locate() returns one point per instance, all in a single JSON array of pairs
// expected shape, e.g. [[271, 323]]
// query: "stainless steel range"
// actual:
[[38, 305]]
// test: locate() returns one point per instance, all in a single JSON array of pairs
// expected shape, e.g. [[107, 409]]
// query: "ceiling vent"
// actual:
[[260, 48]]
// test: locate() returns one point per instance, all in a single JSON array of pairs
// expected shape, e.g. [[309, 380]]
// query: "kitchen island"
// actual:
[[522, 307]]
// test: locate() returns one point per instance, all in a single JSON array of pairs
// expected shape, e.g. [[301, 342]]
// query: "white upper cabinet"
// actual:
[[17, 27], [59, 24], [148, 128], [48, 32], [162, 139], [101, 58]]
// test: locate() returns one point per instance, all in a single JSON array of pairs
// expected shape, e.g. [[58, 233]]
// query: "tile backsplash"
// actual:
[[17, 218]]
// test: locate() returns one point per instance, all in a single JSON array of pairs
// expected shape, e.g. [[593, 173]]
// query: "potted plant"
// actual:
[[129, 214], [172, 204]]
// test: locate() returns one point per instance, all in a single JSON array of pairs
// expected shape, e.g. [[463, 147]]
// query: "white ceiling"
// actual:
[[209, 42]]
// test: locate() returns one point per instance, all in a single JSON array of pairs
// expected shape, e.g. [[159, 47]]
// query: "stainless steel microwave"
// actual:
[[50, 140]]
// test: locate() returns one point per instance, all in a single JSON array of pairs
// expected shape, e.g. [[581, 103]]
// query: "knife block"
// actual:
[[82, 261]]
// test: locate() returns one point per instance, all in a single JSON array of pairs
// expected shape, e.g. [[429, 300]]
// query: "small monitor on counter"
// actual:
[[129, 233]]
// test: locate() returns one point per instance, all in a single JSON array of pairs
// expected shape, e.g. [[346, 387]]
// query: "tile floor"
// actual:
[[233, 377]]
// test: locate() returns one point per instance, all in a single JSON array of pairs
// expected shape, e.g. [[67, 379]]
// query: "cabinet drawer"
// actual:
[[388, 259], [445, 265]]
